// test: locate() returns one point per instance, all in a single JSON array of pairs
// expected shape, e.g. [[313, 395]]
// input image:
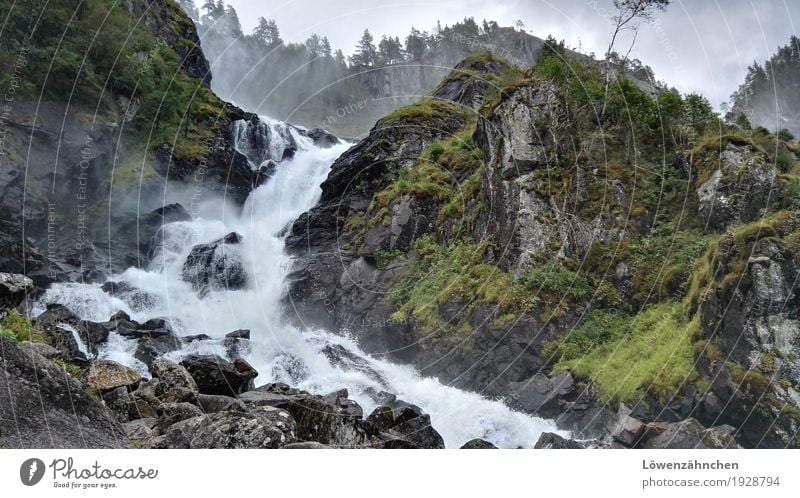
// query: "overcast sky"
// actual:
[[697, 45]]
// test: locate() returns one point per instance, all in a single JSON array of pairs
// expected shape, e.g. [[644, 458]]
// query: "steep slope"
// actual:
[[526, 238], [109, 114]]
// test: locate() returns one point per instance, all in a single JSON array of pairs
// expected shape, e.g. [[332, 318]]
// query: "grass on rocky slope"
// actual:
[[19, 328], [629, 356]]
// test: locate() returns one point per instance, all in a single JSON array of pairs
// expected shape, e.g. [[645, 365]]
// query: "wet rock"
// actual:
[[551, 441], [307, 445], [239, 334], [348, 407], [150, 348], [61, 327], [215, 375], [35, 393], [212, 403], [478, 444], [106, 375], [13, 289], [414, 433], [172, 413], [626, 429], [322, 138], [381, 419], [690, 434], [263, 427], [328, 420], [215, 266], [140, 432], [172, 377]]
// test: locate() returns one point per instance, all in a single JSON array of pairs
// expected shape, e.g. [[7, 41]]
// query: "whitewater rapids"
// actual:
[[280, 352]]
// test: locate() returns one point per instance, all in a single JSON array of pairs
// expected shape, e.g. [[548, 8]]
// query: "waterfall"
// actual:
[[280, 352]]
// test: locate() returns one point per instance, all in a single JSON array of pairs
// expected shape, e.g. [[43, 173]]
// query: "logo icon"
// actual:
[[31, 471]]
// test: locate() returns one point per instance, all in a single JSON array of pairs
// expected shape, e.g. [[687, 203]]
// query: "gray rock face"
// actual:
[[478, 444], [263, 428], [43, 407], [172, 377], [690, 434], [13, 289], [105, 375], [215, 375], [626, 429], [325, 420], [742, 188], [550, 441], [216, 266], [754, 325]]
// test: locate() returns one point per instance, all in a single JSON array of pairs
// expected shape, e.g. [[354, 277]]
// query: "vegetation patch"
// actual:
[[19, 328], [647, 353]]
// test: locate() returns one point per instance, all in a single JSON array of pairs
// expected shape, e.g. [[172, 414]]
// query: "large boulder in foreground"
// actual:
[[41, 406], [216, 375]]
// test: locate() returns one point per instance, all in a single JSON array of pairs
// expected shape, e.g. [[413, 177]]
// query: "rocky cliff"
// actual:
[[513, 235]]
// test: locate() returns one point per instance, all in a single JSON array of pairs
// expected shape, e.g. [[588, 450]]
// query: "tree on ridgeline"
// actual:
[[770, 93], [366, 55], [267, 32], [628, 18]]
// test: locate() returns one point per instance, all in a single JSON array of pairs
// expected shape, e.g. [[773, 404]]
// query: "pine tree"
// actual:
[[366, 54], [267, 31]]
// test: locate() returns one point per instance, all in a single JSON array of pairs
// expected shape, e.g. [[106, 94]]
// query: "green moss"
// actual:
[[19, 328], [648, 353], [429, 112], [70, 368], [423, 180], [552, 283], [355, 222], [439, 273]]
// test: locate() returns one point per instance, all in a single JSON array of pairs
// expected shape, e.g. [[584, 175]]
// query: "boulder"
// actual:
[[215, 375], [213, 403], [40, 407], [478, 444], [171, 377], [329, 420], [626, 429], [215, 266], [415, 433], [690, 434], [106, 375], [263, 427], [551, 441]]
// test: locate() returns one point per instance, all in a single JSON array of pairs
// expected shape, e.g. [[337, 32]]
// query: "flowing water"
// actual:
[[280, 352]]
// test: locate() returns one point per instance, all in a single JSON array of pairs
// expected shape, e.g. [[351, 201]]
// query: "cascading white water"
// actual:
[[277, 350]]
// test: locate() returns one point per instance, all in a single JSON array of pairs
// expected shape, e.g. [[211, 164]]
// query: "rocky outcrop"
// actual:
[[14, 288], [216, 265], [742, 185], [166, 20], [41, 406], [750, 320], [215, 375]]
